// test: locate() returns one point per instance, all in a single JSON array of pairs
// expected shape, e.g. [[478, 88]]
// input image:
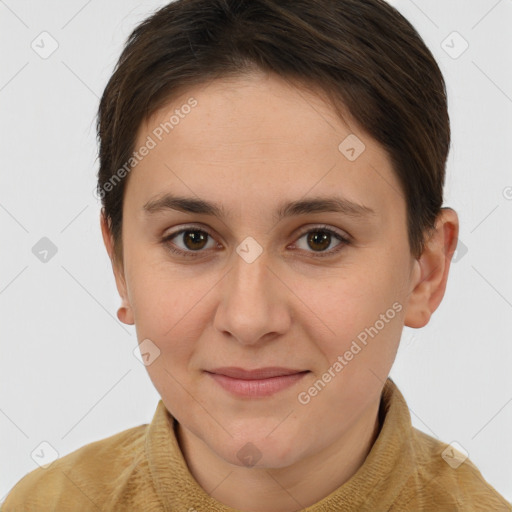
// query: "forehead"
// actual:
[[252, 111], [260, 136]]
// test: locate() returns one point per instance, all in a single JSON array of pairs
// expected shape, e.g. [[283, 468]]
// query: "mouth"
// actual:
[[260, 382]]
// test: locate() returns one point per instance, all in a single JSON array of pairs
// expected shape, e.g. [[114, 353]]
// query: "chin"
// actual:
[[259, 451]]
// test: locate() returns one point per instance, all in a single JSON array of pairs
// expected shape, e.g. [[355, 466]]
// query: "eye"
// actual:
[[194, 240], [320, 238]]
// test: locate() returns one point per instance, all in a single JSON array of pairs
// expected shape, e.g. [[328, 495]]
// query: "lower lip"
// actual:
[[257, 387]]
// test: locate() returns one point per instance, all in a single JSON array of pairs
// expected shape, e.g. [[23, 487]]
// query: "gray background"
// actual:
[[68, 375]]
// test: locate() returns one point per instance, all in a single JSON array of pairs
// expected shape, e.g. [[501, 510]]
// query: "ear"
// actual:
[[431, 270], [125, 313]]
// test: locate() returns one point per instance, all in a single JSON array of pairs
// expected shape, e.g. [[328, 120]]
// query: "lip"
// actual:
[[256, 374], [259, 382]]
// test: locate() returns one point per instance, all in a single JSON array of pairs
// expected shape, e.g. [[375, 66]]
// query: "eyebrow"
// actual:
[[299, 207]]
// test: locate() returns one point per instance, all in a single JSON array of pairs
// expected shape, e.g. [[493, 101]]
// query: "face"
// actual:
[[318, 291]]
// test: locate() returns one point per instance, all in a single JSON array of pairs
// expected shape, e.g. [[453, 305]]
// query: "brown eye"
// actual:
[[318, 240], [193, 240]]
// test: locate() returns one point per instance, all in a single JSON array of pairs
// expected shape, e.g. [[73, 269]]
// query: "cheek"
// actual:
[[169, 309], [360, 316], [160, 294]]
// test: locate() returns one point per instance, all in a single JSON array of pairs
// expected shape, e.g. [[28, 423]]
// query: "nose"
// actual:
[[254, 302]]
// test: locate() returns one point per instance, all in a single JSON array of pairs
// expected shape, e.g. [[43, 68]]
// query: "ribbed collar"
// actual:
[[374, 486]]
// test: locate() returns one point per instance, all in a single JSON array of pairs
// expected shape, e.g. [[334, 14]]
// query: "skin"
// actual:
[[250, 144]]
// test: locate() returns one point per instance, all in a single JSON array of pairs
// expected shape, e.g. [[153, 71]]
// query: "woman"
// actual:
[[271, 175]]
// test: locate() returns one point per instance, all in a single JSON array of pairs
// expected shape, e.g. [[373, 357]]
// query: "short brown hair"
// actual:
[[363, 54]]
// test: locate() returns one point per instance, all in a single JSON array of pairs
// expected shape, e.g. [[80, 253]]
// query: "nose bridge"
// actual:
[[249, 308], [249, 276]]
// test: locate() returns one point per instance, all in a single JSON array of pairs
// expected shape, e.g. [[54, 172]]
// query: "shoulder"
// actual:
[[82, 479], [446, 479]]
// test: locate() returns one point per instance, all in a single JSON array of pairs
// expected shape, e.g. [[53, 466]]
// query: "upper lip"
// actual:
[[258, 373]]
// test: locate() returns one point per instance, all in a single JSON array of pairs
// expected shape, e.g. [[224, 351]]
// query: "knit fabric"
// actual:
[[143, 469]]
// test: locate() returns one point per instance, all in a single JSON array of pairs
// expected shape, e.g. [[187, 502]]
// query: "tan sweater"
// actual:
[[143, 468]]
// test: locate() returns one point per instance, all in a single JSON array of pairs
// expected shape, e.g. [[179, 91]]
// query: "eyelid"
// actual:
[[312, 227], [186, 227]]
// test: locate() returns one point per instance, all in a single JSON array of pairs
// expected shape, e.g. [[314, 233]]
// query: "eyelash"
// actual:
[[166, 241]]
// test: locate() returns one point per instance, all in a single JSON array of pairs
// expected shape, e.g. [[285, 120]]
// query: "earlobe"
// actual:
[[416, 315], [124, 313], [430, 273]]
